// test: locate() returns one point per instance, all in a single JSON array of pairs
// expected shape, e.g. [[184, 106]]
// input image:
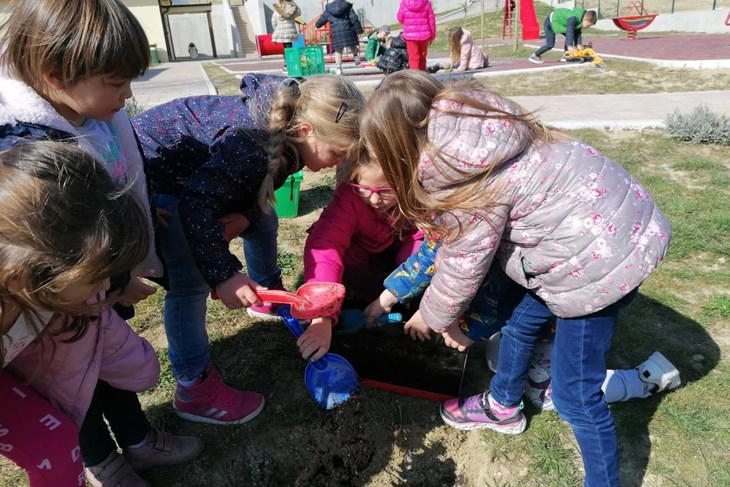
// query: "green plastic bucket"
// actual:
[[287, 197]]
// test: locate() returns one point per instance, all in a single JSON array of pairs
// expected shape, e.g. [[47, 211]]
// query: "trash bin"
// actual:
[[287, 197], [154, 56]]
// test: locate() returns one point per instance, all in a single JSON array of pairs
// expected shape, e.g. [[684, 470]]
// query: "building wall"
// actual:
[[187, 28], [148, 15]]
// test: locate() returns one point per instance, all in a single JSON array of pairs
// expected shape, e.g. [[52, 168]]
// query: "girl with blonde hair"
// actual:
[[465, 54], [563, 221], [215, 162]]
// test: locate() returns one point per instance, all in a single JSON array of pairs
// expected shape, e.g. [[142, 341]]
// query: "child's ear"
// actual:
[[54, 80], [305, 130], [16, 282]]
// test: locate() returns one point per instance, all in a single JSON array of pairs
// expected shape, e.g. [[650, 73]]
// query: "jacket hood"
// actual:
[[288, 10], [470, 143], [415, 5], [398, 42], [339, 8]]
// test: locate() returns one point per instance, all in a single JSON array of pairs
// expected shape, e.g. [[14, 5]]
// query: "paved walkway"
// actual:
[[165, 82]]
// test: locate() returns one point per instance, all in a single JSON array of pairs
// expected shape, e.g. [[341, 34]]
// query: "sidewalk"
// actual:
[[618, 111]]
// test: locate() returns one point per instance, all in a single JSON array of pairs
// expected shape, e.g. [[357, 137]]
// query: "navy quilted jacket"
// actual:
[[344, 24]]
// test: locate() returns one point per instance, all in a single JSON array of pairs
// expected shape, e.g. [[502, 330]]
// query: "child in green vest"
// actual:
[[567, 21], [378, 42]]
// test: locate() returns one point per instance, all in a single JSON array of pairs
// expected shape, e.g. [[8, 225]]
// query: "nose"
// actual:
[[128, 91], [104, 285], [375, 198]]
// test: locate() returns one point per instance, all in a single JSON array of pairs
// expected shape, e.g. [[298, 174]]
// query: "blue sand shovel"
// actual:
[[354, 320], [331, 380]]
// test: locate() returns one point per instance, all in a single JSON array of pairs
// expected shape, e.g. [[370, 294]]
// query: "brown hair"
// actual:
[[590, 16], [394, 129], [454, 37], [330, 104], [77, 39], [63, 222]]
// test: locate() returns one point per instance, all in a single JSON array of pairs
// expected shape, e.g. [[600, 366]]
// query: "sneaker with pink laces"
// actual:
[[212, 401], [267, 311], [481, 411]]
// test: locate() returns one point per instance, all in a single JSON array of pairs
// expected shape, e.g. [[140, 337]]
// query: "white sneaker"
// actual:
[[338, 71], [659, 371], [535, 59]]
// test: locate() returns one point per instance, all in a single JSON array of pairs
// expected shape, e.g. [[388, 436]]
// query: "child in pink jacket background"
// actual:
[[354, 242], [465, 54], [419, 30]]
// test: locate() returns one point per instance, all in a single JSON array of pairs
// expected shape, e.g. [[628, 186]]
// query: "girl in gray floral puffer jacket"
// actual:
[[572, 227]]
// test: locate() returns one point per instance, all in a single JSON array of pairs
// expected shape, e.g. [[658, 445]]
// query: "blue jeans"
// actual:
[[578, 371], [549, 38], [187, 293]]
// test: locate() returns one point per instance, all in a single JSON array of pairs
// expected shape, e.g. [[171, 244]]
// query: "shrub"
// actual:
[[132, 107], [699, 126]]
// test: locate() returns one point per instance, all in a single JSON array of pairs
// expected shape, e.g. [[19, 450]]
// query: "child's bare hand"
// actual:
[[383, 304], [455, 338], [162, 216], [315, 341], [417, 328], [238, 291], [134, 292], [234, 224]]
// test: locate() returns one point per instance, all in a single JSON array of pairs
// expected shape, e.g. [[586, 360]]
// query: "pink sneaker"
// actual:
[[267, 311], [479, 412], [212, 401]]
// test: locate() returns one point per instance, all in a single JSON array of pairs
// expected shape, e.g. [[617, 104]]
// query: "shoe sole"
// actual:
[[204, 419], [534, 61], [262, 316], [666, 370], [508, 429]]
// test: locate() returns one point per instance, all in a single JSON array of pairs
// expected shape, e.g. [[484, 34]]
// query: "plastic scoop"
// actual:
[[330, 380], [354, 320], [312, 300]]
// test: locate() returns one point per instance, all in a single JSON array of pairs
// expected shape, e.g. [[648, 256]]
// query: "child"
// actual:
[[569, 225], [463, 51], [395, 57], [354, 242], [345, 30], [64, 229], [378, 42], [214, 162], [484, 318], [283, 20], [419, 30], [567, 21], [55, 85]]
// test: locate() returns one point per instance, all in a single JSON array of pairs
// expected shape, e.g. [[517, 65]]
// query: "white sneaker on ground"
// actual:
[[338, 71], [535, 59]]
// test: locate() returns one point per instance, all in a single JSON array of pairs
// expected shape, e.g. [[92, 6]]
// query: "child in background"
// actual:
[[569, 225], [378, 42], [485, 317], [345, 30], [419, 30], [354, 242], [567, 21], [64, 229], [464, 53], [283, 20], [214, 162], [395, 57]]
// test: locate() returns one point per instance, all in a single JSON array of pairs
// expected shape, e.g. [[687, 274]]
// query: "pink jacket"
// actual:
[[419, 23], [348, 230], [110, 350], [571, 225], [472, 56]]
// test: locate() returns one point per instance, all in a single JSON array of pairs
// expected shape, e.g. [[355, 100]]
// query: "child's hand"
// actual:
[[234, 224], [162, 217], [134, 292], [238, 291], [417, 328], [455, 338], [316, 339], [383, 304]]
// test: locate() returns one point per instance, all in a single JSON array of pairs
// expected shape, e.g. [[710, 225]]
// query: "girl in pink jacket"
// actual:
[[562, 220], [355, 242], [64, 229], [464, 53], [419, 30]]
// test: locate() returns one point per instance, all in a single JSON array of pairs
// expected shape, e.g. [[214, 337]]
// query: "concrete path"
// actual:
[[168, 81]]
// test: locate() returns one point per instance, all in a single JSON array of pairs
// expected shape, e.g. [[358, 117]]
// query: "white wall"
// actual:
[[187, 28]]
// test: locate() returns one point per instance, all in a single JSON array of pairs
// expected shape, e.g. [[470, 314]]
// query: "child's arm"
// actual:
[[323, 19], [355, 20], [572, 33]]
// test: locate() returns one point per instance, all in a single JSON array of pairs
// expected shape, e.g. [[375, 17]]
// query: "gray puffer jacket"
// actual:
[[573, 226], [284, 23]]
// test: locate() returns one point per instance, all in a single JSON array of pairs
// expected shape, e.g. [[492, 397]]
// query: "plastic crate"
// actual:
[[304, 61], [287, 197]]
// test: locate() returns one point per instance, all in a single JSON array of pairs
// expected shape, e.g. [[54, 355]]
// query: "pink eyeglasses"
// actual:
[[367, 191]]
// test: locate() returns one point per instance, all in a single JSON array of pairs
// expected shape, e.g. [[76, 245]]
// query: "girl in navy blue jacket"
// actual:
[[214, 162]]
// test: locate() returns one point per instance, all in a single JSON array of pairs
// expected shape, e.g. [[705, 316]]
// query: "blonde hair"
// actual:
[[454, 37], [76, 39], [330, 104], [394, 129], [63, 222]]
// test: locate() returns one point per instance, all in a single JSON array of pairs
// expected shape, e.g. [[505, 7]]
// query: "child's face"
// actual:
[[374, 189], [98, 97], [79, 293], [587, 24], [317, 155]]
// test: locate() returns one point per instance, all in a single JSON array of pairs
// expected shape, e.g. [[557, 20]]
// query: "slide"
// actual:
[[528, 20]]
